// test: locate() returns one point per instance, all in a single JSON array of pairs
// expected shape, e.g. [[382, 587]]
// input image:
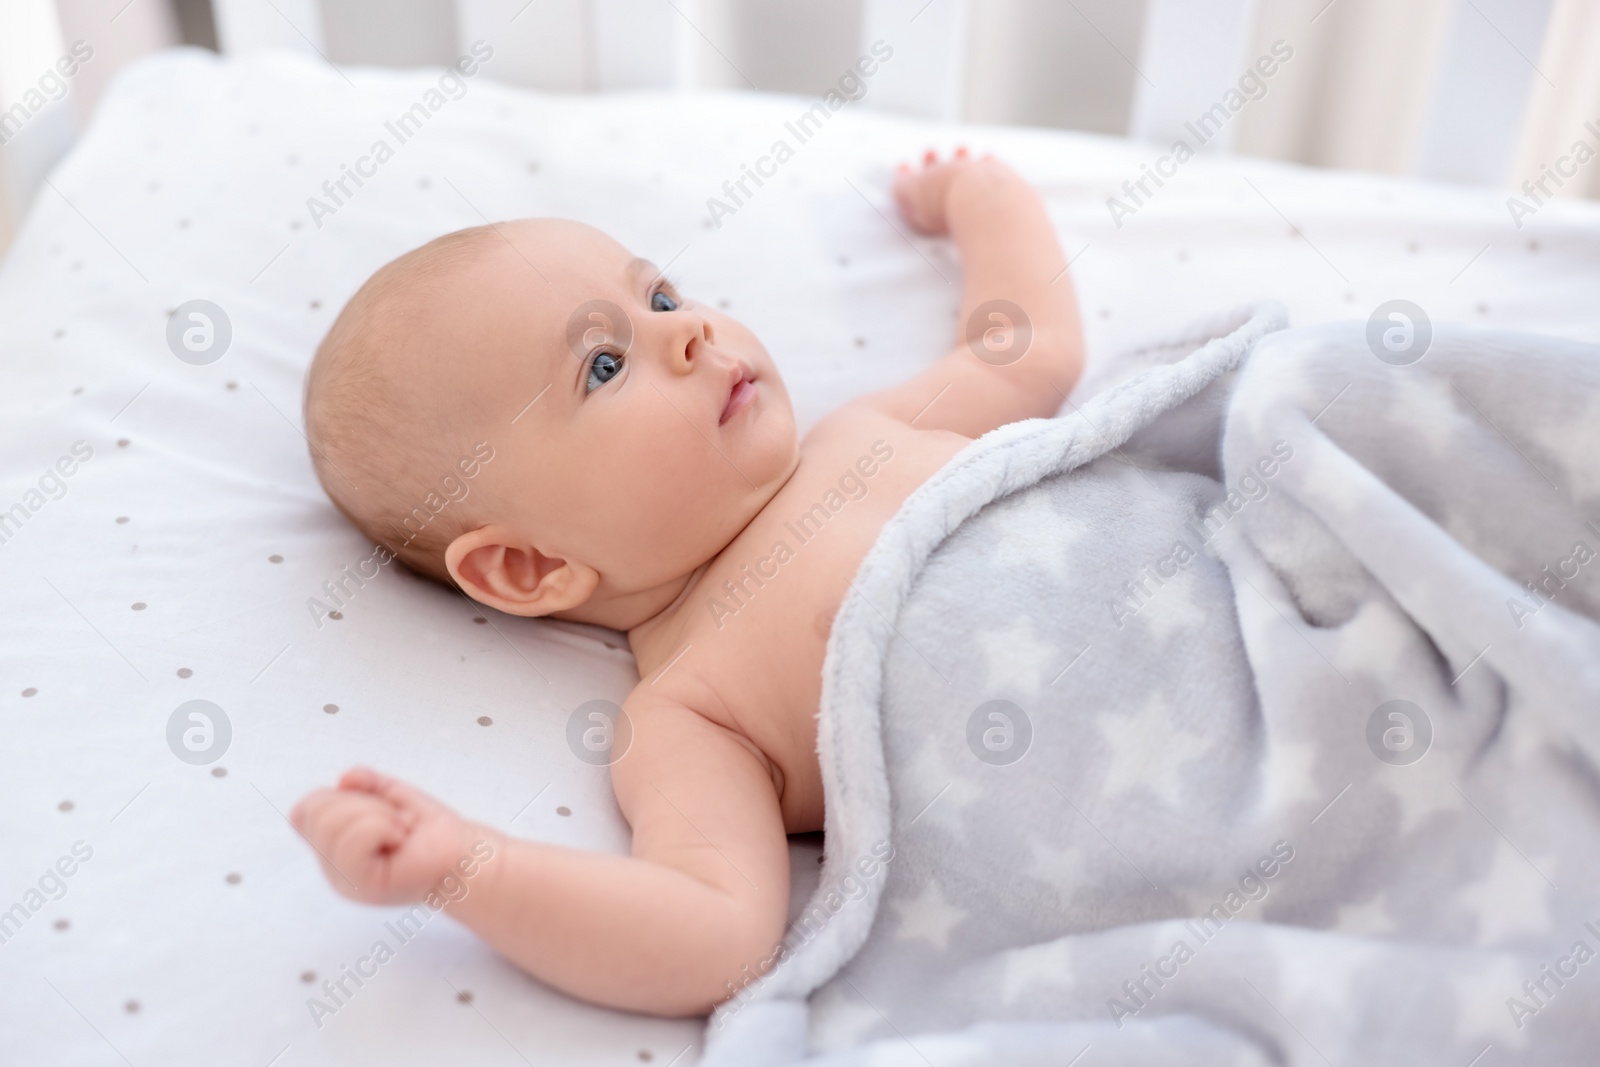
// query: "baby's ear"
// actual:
[[498, 568]]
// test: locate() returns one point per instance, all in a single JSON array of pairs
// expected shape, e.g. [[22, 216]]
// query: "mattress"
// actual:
[[194, 638]]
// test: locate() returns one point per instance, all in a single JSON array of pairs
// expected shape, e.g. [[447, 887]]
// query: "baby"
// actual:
[[647, 471]]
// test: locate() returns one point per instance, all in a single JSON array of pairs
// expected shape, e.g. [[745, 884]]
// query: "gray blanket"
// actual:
[[1247, 713]]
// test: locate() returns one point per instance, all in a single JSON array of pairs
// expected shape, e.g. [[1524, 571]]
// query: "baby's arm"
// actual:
[[662, 931], [1008, 252]]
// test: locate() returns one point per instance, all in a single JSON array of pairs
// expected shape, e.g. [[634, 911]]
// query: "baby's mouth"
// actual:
[[740, 393]]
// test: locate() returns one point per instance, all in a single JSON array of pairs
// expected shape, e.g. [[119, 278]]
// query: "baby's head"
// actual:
[[532, 412]]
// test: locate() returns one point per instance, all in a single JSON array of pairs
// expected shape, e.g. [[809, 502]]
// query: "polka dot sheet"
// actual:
[[193, 637]]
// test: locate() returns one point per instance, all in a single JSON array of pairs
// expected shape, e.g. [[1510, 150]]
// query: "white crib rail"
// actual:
[[1459, 90], [1480, 91]]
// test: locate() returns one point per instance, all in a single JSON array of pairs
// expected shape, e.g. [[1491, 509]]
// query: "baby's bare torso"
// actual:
[[744, 647]]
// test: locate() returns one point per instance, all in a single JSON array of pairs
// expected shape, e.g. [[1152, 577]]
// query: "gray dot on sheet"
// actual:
[[30, 691], [185, 672], [78, 391], [233, 878], [563, 810], [1483, 309], [65, 805], [121, 519], [861, 342], [533, 168], [646, 1055], [484, 720], [480, 620], [1105, 313], [274, 558], [122, 442], [844, 261], [423, 183], [77, 265], [1413, 247], [154, 186], [1533, 246], [292, 160], [315, 304], [722, 303], [183, 224], [60, 334], [331, 709], [335, 614], [705, 224], [138, 605], [62, 924], [464, 996], [308, 977], [819, 859], [294, 224], [131, 1007], [1349, 298], [232, 385], [219, 772], [1183, 255]]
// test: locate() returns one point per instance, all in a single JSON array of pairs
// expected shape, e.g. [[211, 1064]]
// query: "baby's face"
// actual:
[[636, 432]]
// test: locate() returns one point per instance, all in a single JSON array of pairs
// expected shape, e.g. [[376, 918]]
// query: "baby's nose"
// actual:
[[700, 333]]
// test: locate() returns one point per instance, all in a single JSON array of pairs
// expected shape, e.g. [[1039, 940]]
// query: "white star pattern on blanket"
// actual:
[[1370, 918], [927, 917], [1025, 969], [1144, 751], [1015, 550], [1571, 438], [1480, 994], [1423, 791], [1510, 899], [1017, 659], [1287, 776]]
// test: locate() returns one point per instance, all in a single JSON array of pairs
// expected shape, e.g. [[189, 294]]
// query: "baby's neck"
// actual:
[[649, 617], [655, 639]]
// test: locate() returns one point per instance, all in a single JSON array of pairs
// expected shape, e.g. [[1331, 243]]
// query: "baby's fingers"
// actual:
[[412, 802], [351, 832]]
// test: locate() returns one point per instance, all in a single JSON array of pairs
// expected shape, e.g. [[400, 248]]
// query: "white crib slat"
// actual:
[[546, 44], [1357, 89], [1193, 51], [635, 44], [927, 73], [390, 33], [29, 47], [1480, 93], [246, 25], [1566, 112], [1047, 63]]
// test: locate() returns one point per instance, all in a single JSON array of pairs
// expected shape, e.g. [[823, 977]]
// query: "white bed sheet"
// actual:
[[186, 937]]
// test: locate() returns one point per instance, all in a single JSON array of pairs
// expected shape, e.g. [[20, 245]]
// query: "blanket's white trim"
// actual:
[[849, 736]]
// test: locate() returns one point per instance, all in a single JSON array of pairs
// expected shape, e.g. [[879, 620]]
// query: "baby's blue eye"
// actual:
[[603, 367], [663, 301]]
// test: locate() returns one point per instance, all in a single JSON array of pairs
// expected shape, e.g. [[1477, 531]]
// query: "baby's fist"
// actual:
[[381, 841]]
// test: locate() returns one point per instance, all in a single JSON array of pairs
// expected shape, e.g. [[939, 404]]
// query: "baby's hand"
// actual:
[[922, 194], [381, 841]]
